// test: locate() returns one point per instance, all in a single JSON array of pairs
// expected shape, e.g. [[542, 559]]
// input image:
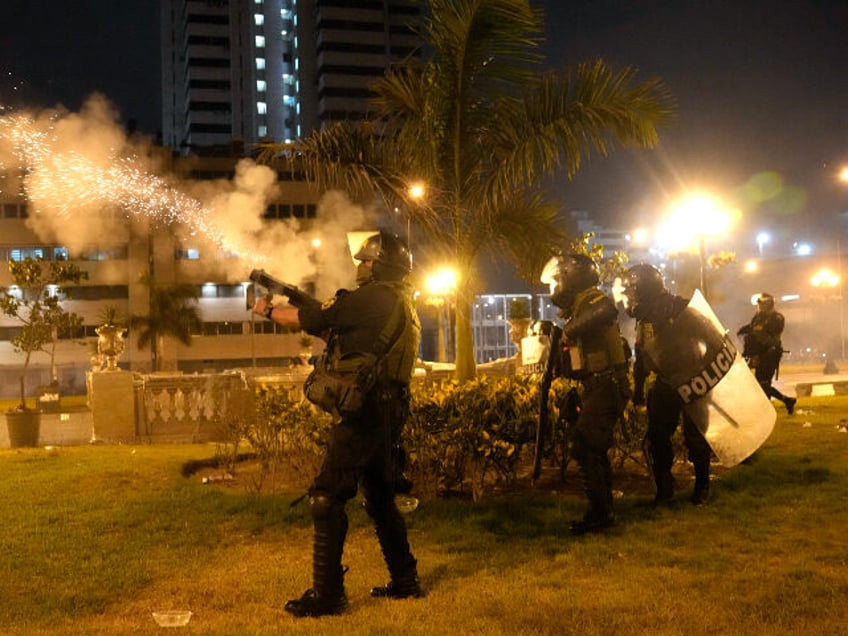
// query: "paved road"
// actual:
[[789, 379]]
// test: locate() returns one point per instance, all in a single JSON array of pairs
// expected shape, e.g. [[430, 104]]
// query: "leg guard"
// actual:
[[391, 533], [660, 465], [327, 595], [596, 475], [701, 493]]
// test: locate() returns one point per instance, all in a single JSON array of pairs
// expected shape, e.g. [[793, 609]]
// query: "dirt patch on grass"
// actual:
[[248, 474]]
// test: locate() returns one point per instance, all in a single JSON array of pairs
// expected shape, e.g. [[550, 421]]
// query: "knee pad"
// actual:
[[322, 506]]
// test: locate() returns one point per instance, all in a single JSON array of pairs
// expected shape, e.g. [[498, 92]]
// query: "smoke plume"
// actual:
[[85, 180]]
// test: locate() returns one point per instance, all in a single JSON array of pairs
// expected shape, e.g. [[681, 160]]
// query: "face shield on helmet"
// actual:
[[642, 285], [765, 302], [391, 258], [567, 276]]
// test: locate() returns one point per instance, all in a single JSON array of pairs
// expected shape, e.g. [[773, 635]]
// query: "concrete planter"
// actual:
[[24, 428]]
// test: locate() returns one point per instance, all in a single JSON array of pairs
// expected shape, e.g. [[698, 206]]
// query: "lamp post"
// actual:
[[827, 279], [691, 221], [441, 285], [416, 192]]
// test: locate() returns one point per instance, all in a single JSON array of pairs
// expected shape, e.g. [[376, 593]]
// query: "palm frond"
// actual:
[[527, 230], [564, 119]]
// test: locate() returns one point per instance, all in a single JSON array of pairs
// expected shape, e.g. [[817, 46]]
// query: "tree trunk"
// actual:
[[466, 366]]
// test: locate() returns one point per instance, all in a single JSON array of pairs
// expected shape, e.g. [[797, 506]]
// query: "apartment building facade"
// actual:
[[242, 72]]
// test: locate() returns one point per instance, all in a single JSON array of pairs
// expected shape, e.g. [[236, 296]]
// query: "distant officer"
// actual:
[[763, 348], [655, 309], [376, 318], [591, 353]]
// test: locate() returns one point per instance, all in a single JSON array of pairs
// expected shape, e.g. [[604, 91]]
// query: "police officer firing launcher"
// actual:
[[363, 379]]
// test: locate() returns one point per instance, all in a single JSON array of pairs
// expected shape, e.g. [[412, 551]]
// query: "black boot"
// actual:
[[665, 488], [404, 586], [592, 522], [391, 533], [790, 405], [596, 475], [327, 594], [701, 492]]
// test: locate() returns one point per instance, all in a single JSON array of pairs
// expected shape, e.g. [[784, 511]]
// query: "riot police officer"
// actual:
[[592, 353], [654, 308], [376, 318], [763, 347]]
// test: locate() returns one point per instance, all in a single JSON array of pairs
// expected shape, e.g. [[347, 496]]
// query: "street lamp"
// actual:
[[441, 285], [691, 221], [762, 239], [828, 279], [416, 192]]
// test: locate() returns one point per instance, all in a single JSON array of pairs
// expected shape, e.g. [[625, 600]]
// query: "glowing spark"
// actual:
[[68, 182]]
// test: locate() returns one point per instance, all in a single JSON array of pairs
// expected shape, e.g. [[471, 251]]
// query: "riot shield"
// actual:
[[695, 355]]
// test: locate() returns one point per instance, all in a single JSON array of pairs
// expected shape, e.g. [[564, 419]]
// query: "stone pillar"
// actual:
[[112, 401]]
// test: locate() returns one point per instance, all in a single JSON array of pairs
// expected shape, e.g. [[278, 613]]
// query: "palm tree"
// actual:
[[173, 312], [483, 127]]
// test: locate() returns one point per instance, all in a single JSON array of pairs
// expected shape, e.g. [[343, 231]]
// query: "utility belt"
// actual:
[[616, 374]]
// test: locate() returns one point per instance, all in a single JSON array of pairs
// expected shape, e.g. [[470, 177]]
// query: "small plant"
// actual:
[[34, 300], [519, 309], [109, 316]]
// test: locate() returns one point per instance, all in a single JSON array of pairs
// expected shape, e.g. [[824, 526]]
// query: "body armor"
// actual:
[[597, 347]]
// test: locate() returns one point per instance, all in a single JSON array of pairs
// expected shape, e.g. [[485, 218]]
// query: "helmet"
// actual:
[[765, 302], [568, 275], [642, 284], [392, 259]]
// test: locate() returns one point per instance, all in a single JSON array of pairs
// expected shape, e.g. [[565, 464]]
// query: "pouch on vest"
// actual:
[[342, 388]]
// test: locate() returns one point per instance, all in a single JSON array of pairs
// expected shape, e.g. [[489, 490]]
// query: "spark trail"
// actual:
[[67, 181]]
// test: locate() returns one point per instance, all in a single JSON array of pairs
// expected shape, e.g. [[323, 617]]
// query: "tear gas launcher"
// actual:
[[296, 296]]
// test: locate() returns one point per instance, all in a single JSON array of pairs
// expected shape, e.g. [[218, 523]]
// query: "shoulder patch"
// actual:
[[329, 303]]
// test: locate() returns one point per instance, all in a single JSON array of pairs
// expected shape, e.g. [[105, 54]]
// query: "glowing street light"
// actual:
[[763, 238], [828, 279], [824, 278], [691, 221], [441, 286], [416, 192]]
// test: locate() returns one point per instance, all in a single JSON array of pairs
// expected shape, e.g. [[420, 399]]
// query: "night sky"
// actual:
[[761, 86]]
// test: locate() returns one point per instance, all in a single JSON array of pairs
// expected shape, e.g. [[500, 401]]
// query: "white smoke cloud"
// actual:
[[84, 178]]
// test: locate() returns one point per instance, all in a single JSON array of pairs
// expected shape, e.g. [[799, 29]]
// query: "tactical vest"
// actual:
[[402, 334], [395, 350], [599, 349]]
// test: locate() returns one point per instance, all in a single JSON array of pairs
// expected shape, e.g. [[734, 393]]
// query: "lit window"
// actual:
[[263, 131], [257, 1], [261, 86], [261, 108], [258, 19], [288, 79], [188, 254], [260, 41], [260, 63], [209, 290], [289, 100], [285, 14]]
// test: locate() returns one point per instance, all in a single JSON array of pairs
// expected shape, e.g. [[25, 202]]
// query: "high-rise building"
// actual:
[[247, 71]]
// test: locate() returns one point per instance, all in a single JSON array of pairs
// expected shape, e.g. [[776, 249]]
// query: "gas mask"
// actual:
[[364, 274]]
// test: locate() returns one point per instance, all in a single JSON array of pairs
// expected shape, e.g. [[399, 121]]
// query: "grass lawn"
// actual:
[[95, 538]]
